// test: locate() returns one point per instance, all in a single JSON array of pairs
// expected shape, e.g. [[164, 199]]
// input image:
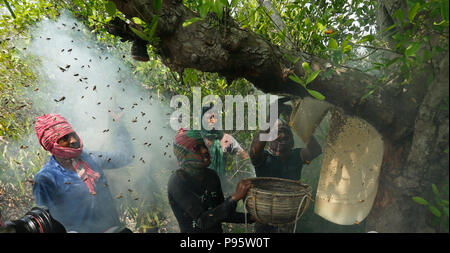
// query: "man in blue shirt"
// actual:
[[72, 184]]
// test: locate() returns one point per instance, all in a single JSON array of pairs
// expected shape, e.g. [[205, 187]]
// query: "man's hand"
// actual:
[[241, 189]]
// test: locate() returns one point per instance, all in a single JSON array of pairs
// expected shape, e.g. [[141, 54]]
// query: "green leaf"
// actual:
[[413, 12], [411, 50], [399, 15], [9, 8], [316, 94], [435, 211], [110, 7], [367, 95], [312, 76], [333, 44], [369, 38], [445, 9], [306, 67], [296, 79], [435, 189], [153, 26], [445, 209], [320, 26], [138, 21], [420, 200], [157, 5], [444, 202], [389, 28], [190, 21], [446, 150], [140, 34]]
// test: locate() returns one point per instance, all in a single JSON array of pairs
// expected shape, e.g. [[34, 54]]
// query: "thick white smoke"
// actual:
[[86, 83]]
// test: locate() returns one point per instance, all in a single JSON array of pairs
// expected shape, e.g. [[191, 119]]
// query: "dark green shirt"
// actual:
[[271, 166]]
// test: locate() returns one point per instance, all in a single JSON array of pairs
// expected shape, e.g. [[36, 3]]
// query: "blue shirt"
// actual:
[[68, 198]]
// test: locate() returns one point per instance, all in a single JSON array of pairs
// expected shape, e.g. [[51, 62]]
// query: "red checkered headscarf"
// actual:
[[49, 129], [183, 148]]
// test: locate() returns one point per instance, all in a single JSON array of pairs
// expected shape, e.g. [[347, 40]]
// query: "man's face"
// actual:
[[202, 150], [69, 141], [282, 137]]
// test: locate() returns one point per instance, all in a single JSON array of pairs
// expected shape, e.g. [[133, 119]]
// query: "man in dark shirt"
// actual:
[[281, 161], [194, 191]]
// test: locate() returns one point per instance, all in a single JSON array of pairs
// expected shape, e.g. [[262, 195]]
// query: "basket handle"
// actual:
[[298, 211]]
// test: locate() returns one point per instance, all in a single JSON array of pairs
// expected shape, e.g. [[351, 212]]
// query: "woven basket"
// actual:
[[276, 201]]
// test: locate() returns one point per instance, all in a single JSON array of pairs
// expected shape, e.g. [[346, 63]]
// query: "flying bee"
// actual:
[[67, 182], [82, 97], [165, 153], [62, 50], [36, 89], [107, 85], [121, 108], [93, 117], [69, 50], [23, 147], [89, 47], [123, 89], [130, 190], [49, 38], [95, 87], [82, 66], [146, 143], [67, 66], [61, 99], [62, 69], [99, 103], [109, 160], [76, 59], [149, 122], [135, 104], [76, 74], [145, 128], [119, 196], [160, 137], [100, 156], [106, 58], [134, 120]]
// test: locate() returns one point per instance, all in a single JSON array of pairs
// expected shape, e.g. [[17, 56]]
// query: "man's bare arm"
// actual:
[[312, 150], [257, 149]]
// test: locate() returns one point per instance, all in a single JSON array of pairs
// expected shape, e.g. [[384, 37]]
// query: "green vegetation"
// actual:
[[338, 30]]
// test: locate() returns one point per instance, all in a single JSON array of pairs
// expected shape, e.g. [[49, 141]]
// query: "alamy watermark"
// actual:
[[181, 117]]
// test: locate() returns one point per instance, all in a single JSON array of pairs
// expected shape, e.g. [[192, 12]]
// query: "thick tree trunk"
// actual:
[[237, 53], [415, 131]]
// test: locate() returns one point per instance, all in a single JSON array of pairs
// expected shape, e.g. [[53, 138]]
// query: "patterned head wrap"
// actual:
[[183, 148], [49, 129], [276, 147]]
